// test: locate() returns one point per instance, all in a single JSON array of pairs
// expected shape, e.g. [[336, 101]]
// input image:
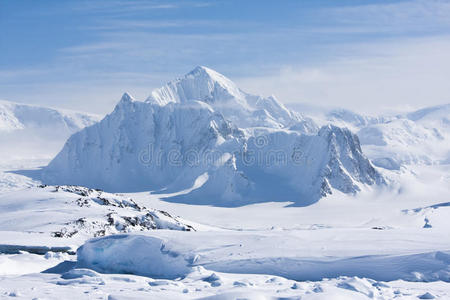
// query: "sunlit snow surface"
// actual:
[[386, 242], [373, 246]]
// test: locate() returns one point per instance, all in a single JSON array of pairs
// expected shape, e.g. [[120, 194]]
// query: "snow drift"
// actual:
[[175, 256], [200, 139], [149, 257]]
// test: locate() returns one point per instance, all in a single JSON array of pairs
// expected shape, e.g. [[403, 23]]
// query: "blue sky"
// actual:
[[367, 55]]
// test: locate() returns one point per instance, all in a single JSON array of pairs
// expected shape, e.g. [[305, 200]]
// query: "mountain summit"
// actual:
[[202, 84], [245, 110], [200, 139]]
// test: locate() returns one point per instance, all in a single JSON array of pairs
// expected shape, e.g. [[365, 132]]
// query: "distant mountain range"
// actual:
[[419, 137], [29, 131]]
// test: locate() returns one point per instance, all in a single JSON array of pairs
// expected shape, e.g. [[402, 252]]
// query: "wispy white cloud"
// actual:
[[404, 11], [129, 7], [123, 6], [404, 16], [114, 23], [400, 74]]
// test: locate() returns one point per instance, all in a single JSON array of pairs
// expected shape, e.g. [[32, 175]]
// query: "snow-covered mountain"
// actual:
[[201, 139], [419, 137], [15, 116], [36, 131], [244, 110]]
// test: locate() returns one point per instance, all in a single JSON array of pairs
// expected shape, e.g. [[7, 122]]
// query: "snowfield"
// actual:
[[358, 209]]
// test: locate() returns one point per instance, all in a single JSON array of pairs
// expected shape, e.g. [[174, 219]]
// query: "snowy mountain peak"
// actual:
[[126, 98], [125, 102], [202, 72], [201, 84], [243, 109]]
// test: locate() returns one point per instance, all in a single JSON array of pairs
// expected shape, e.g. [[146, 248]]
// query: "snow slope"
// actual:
[[202, 140]]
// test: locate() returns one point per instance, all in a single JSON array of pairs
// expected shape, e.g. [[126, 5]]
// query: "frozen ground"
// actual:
[[260, 251]]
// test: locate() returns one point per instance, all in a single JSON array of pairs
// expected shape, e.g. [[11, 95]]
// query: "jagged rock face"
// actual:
[[182, 141], [346, 163], [289, 166]]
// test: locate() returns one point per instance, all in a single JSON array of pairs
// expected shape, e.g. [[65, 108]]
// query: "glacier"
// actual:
[[200, 139]]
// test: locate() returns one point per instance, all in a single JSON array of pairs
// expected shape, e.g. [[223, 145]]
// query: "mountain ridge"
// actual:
[[14, 115]]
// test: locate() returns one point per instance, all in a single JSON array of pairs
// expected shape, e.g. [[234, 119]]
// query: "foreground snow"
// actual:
[[78, 213], [202, 284], [170, 255], [280, 252]]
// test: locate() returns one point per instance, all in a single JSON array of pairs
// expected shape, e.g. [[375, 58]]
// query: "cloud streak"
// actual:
[[404, 74]]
